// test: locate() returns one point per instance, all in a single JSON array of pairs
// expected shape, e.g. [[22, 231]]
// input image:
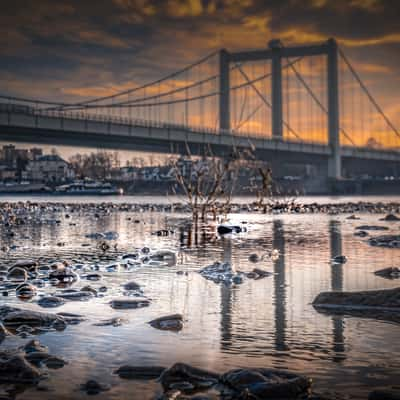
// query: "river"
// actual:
[[261, 323]]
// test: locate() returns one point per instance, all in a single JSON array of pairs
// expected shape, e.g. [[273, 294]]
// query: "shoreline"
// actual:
[[271, 207]]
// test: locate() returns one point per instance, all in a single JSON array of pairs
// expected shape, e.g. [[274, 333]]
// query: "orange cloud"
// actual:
[[372, 68]]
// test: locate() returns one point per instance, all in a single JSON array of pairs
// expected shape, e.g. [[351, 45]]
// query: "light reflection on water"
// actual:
[[268, 322]]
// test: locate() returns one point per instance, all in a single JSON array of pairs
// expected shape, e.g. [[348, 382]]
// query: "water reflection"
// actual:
[[226, 299], [266, 322], [335, 236], [278, 242]]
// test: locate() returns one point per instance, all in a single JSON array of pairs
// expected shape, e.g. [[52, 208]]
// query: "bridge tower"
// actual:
[[334, 163], [275, 52]]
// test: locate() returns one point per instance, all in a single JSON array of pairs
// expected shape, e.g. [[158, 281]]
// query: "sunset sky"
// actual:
[[69, 50]]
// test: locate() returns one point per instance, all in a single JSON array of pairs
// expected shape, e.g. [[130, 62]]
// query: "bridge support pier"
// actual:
[[276, 85], [334, 162], [224, 88]]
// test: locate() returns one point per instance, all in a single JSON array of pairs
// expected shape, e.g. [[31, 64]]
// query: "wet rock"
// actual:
[[30, 318], [361, 233], [173, 394], [389, 273], [391, 241], [163, 255], [34, 346], [112, 268], [130, 302], [163, 232], [89, 289], [132, 256], [390, 217], [263, 383], [340, 259], [372, 228], [132, 285], [24, 330], [92, 387], [352, 217], [116, 321], [5, 310], [75, 296], [3, 332], [16, 274], [57, 266], [53, 362], [218, 272], [225, 229], [172, 322], [51, 301], [258, 273], [111, 235], [385, 394], [64, 275], [93, 277], [18, 370], [28, 265], [254, 258], [95, 235], [25, 291], [237, 279], [385, 299], [104, 246], [71, 318], [139, 373], [182, 374], [38, 283]]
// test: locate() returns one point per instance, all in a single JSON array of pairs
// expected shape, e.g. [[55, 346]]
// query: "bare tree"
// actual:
[[208, 182], [96, 165]]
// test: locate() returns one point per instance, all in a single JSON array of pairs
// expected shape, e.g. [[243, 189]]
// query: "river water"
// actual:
[[261, 323]]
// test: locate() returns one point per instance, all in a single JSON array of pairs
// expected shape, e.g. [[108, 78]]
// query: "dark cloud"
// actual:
[[60, 48]]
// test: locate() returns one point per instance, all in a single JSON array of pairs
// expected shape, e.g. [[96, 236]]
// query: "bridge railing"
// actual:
[[12, 108]]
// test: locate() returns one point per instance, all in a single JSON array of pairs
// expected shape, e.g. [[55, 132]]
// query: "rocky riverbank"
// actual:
[[37, 210], [97, 284]]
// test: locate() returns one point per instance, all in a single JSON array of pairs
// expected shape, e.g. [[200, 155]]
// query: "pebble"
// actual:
[[129, 302], [132, 285], [25, 291], [139, 373], [340, 259], [92, 387], [389, 273], [51, 301], [172, 322]]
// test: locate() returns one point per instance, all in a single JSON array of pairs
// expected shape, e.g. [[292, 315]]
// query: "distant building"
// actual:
[[17, 159], [124, 174], [49, 168], [185, 166], [8, 173], [35, 152]]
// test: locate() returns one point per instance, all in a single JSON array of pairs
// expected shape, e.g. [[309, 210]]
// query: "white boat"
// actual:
[[88, 188]]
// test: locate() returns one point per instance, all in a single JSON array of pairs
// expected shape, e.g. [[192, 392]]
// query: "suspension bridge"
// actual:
[[298, 104]]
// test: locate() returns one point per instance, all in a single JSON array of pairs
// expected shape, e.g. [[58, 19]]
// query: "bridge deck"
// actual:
[[28, 125]]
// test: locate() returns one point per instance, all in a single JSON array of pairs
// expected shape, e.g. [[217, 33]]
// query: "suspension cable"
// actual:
[[367, 92], [315, 98]]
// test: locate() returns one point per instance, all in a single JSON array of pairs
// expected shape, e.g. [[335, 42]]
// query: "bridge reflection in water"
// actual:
[[337, 285], [230, 340]]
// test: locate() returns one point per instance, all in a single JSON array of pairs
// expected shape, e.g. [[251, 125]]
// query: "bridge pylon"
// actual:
[[334, 163], [275, 52]]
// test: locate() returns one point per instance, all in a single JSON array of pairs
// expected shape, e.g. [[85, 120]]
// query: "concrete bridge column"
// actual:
[[224, 87], [334, 162], [276, 85]]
